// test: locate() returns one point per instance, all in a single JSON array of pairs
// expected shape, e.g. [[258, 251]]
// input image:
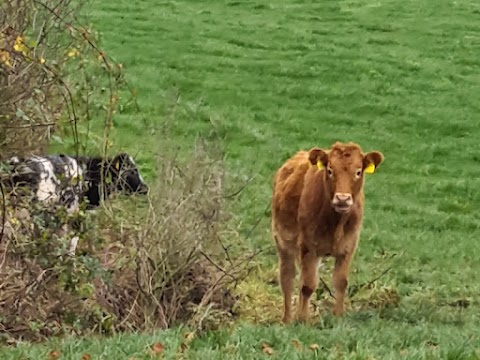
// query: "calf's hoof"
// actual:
[[302, 318]]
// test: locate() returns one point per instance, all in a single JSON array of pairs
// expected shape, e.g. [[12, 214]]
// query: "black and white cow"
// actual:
[[69, 180]]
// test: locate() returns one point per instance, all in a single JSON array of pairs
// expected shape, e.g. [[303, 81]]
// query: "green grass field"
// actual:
[[399, 76]]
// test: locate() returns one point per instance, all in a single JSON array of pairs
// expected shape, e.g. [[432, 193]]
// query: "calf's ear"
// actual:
[[119, 160], [371, 161], [318, 157]]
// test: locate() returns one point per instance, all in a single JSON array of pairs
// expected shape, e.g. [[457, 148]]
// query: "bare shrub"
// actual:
[[181, 270], [42, 287], [138, 265]]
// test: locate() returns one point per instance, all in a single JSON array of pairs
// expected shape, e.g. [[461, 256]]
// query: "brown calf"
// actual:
[[317, 209]]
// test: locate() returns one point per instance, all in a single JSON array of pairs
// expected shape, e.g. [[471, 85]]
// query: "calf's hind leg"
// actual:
[[308, 281], [286, 264]]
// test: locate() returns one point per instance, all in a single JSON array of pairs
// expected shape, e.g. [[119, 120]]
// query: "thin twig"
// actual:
[[215, 264], [101, 53], [379, 276], [366, 285], [135, 303], [326, 287], [257, 223], [225, 250], [39, 37], [253, 255], [4, 212], [5, 252], [239, 190], [26, 126]]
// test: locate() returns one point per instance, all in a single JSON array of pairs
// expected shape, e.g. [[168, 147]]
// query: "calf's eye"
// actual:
[[330, 172], [358, 173]]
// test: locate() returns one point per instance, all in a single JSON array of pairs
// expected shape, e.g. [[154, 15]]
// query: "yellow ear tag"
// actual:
[[319, 165], [117, 165], [370, 169]]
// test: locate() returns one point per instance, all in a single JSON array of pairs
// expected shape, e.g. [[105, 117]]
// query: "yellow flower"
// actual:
[[5, 58], [73, 53], [19, 45], [42, 60]]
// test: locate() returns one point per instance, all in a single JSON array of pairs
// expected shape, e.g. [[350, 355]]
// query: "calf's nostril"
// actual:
[[343, 198]]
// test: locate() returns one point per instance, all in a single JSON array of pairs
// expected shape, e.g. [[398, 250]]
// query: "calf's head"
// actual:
[[126, 176], [343, 167]]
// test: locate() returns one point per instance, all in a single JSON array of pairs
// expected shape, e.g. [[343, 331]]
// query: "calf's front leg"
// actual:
[[340, 281]]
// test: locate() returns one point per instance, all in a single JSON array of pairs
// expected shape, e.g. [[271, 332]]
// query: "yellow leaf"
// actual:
[[297, 344], [5, 58], [314, 347], [19, 45], [267, 349], [157, 348], [42, 60], [72, 53], [189, 336], [53, 355], [86, 357]]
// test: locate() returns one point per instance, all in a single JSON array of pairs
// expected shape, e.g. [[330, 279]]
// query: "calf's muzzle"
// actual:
[[342, 202]]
